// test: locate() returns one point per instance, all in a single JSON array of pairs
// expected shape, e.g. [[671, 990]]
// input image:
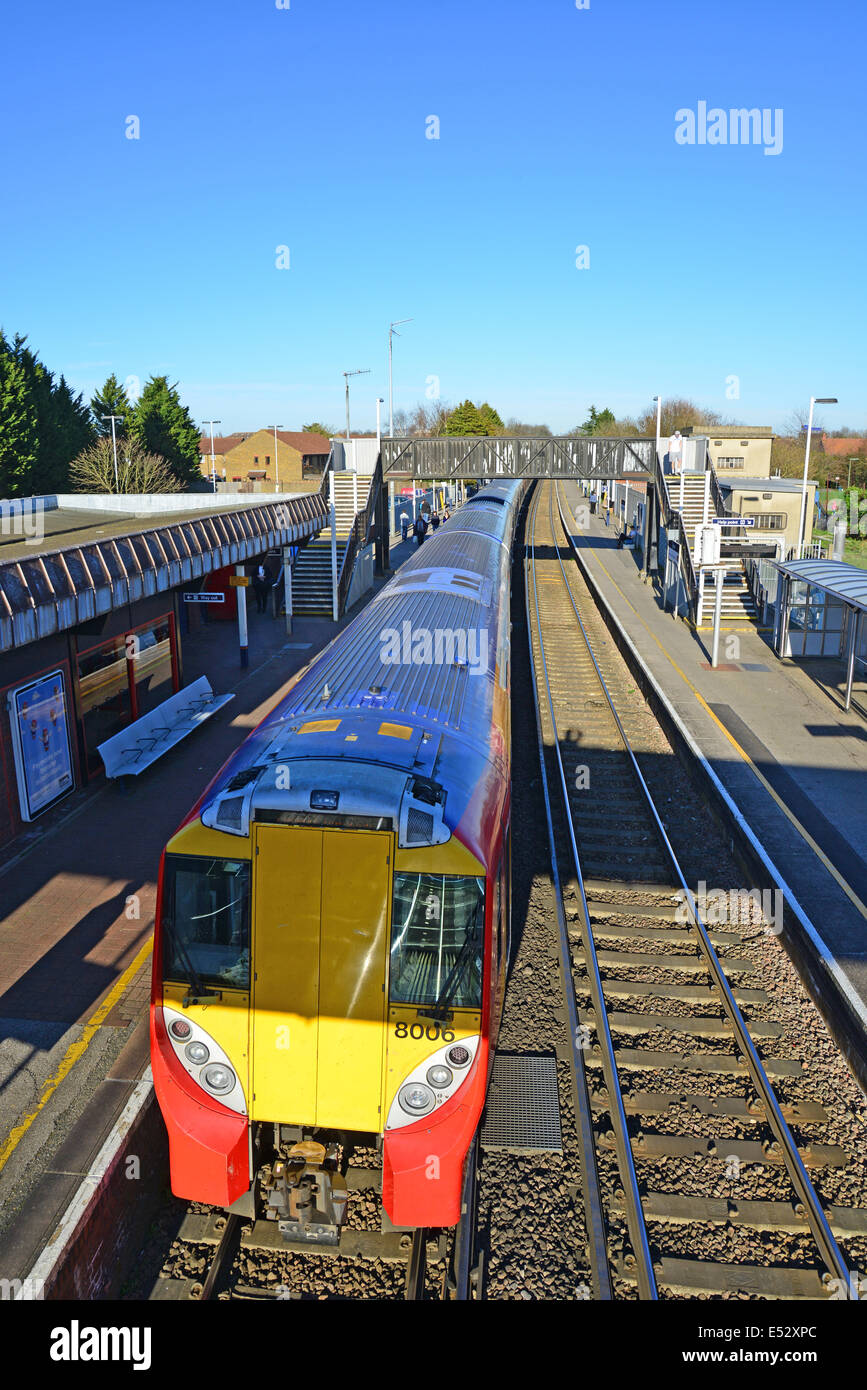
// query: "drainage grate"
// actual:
[[753, 666], [522, 1113]]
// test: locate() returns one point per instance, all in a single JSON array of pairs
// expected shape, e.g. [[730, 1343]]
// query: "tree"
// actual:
[[514, 426], [43, 425], [18, 422], [317, 428], [676, 413], [138, 470], [111, 399], [598, 421], [163, 426], [490, 419], [465, 419]]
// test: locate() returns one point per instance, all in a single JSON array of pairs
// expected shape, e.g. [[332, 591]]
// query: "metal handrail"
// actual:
[[358, 535], [673, 518]]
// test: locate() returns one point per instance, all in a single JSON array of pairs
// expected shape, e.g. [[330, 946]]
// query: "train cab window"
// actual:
[[206, 921], [437, 940]]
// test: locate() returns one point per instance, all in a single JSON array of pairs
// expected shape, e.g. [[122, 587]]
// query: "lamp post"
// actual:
[[814, 401], [658, 400], [112, 418], [275, 428], [211, 424], [360, 371], [392, 330], [849, 479]]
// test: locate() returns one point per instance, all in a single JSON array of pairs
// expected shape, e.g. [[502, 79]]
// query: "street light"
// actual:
[[814, 400], [849, 479], [275, 428], [379, 405], [658, 400], [212, 423], [112, 418], [360, 371], [392, 330]]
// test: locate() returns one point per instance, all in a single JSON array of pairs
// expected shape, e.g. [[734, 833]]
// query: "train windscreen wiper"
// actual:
[[195, 986], [441, 1007]]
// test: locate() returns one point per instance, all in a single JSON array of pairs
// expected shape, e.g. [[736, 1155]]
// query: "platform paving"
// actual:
[[775, 733], [77, 898]]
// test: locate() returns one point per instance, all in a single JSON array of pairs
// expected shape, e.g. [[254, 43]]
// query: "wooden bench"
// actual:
[[132, 750]]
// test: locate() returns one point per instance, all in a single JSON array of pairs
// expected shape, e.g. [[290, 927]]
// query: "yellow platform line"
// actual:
[[75, 1051], [790, 815]]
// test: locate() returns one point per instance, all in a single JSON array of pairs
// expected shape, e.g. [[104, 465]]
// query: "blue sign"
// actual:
[[40, 739]]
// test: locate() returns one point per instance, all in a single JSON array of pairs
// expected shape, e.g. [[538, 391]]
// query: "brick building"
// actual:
[[249, 458]]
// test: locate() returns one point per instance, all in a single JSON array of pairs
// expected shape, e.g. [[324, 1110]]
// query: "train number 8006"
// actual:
[[432, 1031]]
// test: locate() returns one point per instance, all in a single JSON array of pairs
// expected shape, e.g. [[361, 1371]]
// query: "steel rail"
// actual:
[[465, 1236], [222, 1255], [416, 1266], [818, 1221], [594, 1207], [634, 1212]]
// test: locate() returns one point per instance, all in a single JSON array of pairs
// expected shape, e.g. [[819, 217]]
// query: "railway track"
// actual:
[[669, 1020], [219, 1255]]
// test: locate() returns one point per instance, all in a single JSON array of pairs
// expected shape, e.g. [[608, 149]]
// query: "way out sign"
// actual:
[[204, 598]]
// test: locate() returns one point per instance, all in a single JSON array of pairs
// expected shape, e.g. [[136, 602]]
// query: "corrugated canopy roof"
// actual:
[[845, 582]]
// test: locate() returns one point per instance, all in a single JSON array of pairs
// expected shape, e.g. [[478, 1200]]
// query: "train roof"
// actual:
[[411, 683]]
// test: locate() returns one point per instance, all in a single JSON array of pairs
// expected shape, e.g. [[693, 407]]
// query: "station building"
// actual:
[[96, 593]]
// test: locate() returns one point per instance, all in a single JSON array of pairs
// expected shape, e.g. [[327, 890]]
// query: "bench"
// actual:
[[132, 750]]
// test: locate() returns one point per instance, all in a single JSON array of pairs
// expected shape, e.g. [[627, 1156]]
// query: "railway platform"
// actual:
[[77, 902], [785, 757]]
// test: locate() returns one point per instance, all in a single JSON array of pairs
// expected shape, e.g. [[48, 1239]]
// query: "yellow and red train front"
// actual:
[[324, 978]]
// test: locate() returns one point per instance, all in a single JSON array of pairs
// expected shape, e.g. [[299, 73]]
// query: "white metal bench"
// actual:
[[132, 750]]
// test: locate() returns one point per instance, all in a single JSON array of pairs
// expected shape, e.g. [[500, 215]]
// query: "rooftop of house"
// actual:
[[304, 441]]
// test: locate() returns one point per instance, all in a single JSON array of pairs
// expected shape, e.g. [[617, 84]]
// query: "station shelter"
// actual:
[[820, 613]]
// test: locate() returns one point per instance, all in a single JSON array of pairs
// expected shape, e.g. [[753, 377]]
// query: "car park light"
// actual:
[[439, 1077], [218, 1078], [416, 1098], [458, 1056], [180, 1029], [197, 1053]]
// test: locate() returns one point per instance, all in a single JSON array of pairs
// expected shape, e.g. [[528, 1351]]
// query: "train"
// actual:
[[333, 916]]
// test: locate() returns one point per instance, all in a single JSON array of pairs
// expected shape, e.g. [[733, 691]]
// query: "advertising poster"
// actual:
[[40, 736]]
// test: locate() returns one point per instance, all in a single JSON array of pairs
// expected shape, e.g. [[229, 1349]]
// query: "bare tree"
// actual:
[[137, 470]]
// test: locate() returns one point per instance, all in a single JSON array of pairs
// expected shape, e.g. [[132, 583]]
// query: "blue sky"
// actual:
[[306, 127]]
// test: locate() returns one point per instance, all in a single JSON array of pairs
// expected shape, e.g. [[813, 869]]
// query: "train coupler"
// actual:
[[305, 1193]]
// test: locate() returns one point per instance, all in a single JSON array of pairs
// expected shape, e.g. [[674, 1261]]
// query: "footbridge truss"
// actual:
[[592, 458]]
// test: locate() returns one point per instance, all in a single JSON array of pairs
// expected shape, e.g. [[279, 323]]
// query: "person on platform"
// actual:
[[435, 521], [404, 525], [262, 587], [419, 529]]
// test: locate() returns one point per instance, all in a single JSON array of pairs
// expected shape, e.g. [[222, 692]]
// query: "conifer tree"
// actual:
[[164, 426], [110, 399]]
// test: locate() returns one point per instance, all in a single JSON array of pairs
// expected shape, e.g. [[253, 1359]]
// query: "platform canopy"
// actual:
[[845, 582], [588, 457]]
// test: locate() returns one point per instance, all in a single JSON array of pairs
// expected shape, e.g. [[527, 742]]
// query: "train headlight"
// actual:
[[180, 1029], [197, 1053], [458, 1056], [416, 1098], [439, 1077], [218, 1078]]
